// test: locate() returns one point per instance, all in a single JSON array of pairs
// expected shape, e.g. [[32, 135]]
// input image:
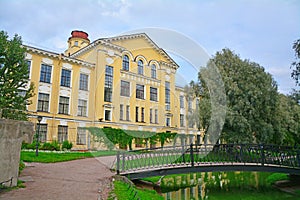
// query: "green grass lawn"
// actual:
[[123, 190], [52, 157]]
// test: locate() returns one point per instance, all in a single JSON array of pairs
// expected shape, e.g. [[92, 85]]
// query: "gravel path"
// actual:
[[79, 179]]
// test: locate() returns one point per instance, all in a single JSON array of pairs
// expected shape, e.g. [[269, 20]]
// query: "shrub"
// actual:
[[276, 177], [53, 146], [67, 145]]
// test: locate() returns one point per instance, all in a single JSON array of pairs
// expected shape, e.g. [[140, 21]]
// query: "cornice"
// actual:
[[58, 56]]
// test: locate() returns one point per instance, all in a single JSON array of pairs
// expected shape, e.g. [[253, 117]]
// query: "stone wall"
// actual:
[[12, 133]]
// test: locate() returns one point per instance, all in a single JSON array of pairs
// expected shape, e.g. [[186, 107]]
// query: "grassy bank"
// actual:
[[124, 190], [52, 157]]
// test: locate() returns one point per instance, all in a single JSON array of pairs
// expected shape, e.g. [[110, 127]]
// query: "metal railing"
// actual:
[[194, 155]]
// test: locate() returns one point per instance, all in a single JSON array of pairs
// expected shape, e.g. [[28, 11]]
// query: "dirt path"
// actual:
[[80, 179]]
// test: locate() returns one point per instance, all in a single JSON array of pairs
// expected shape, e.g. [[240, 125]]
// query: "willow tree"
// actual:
[[251, 95], [14, 89]]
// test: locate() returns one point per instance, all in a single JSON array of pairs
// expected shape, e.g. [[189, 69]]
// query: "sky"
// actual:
[[262, 31]]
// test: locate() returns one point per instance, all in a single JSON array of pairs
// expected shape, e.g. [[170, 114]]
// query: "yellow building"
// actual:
[[123, 82]]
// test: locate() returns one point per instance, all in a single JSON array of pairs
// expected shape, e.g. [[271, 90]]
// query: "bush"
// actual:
[[21, 166], [53, 146], [276, 177], [30, 146], [67, 145]]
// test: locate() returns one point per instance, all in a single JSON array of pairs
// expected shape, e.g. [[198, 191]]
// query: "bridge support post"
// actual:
[[118, 162], [262, 154], [192, 154]]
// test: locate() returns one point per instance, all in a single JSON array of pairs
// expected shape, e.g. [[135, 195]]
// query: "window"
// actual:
[[190, 105], [83, 83], [45, 75], [151, 115], [181, 101], [43, 102], [76, 43], [65, 78], [125, 63], [168, 121], [43, 133], [62, 133], [136, 114], [29, 66], [108, 84], [167, 95], [107, 116], [156, 116], [153, 94], [125, 88], [63, 105], [127, 113], [82, 108], [22, 93], [197, 103], [181, 120], [121, 111], [191, 124], [81, 136], [142, 114], [140, 67], [153, 71], [139, 91]]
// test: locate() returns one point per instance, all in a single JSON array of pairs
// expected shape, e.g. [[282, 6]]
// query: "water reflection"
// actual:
[[199, 186]]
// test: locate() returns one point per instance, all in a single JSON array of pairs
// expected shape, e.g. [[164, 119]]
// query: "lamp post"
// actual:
[[39, 118]]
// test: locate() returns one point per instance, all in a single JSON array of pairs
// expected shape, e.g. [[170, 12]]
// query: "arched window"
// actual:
[[126, 63], [153, 71], [140, 67]]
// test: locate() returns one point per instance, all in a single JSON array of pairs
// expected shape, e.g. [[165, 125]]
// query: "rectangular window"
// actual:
[[29, 66], [136, 114], [142, 114], [107, 116], [43, 133], [181, 101], [84, 82], [108, 84], [125, 88], [65, 79], [156, 116], [22, 93], [190, 106], [82, 108], [121, 111], [45, 75], [153, 94], [167, 95], [63, 105], [62, 133], [139, 91], [127, 113], [81, 136], [168, 121], [191, 125], [43, 102], [181, 120], [151, 115]]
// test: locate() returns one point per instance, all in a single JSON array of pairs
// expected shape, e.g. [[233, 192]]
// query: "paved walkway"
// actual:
[[79, 179]]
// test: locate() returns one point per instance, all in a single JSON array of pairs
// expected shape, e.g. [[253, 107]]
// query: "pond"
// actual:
[[221, 185]]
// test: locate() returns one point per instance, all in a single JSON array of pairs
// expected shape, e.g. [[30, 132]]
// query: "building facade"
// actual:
[[125, 82]]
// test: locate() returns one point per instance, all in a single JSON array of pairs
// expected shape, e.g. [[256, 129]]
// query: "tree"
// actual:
[[296, 64], [251, 96], [13, 78]]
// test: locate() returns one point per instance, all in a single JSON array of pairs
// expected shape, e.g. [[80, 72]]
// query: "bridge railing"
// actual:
[[207, 154]]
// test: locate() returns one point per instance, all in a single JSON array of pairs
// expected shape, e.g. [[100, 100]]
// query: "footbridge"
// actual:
[[208, 158]]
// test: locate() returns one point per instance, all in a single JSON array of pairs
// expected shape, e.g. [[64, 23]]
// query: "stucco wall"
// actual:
[[12, 134]]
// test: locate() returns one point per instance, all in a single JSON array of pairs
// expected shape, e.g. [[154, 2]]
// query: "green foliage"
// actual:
[[13, 76], [67, 145], [51, 146], [113, 136], [30, 146], [123, 190], [276, 177], [256, 112], [296, 64], [21, 166]]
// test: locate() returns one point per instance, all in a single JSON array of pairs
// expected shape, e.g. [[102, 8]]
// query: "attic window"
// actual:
[[76, 43]]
